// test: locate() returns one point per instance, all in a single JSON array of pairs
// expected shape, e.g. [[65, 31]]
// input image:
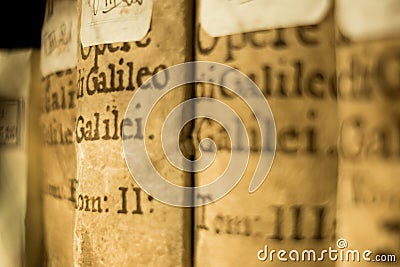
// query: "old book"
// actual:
[[122, 44], [291, 58], [368, 36], [34, 244], [57, 120], [20, 206]]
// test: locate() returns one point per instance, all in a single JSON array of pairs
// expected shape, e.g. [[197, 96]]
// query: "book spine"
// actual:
[[57, 120], [294, 209], [18, 135], [117, 223], [58, 100], [368, 49]]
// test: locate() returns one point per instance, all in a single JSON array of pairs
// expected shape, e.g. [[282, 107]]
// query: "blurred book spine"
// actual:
[[57, 120], [20, 199], [292, 60], [368, 64]]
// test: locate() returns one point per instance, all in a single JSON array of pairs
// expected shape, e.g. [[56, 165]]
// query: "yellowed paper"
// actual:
[[225, 17], [114, 21], [59, 37], [368, 19]]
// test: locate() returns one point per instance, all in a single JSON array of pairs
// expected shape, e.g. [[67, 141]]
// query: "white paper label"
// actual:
[[59, 37], [225, 17], [10, 122], [368, 19], [115, 21]]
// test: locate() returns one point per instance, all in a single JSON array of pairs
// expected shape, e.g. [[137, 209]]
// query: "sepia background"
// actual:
[[332, 82]]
